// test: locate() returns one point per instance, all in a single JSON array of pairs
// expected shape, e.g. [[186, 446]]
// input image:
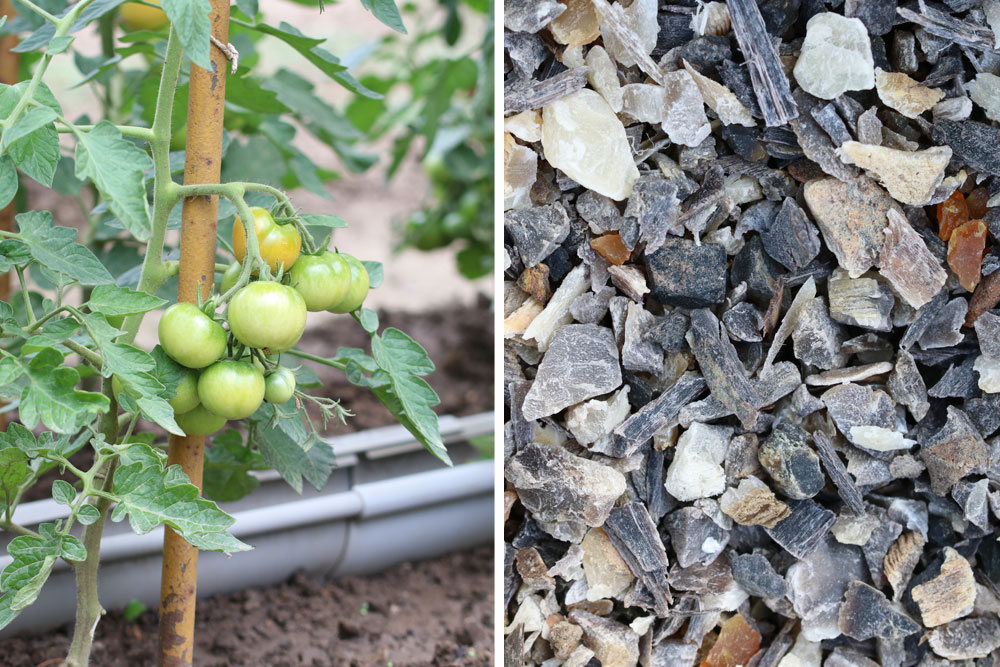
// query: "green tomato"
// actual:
[[322, 280], [200, 421], [231, 389], [279, 385], [186, 399], [267, 315], [230, 276], [358, 290], [190, 337]]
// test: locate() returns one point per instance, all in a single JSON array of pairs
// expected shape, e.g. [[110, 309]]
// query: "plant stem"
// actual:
[[318, 360], [88, 606], [51, 18], [11, 527], [165, 194], [29, 311], [126, 130]]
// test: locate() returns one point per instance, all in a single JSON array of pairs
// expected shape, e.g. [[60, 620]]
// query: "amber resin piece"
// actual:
[[965, 252], [611, 248], [951, 213], [976, 202], [736, 644]]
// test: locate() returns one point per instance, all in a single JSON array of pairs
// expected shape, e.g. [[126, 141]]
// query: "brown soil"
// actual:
[[437, 612], [459, 341]]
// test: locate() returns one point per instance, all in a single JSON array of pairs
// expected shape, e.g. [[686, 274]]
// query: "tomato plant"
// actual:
[[446, 99], [72, 368]]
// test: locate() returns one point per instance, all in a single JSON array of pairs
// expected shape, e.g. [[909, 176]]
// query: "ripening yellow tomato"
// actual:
[[136, 16]]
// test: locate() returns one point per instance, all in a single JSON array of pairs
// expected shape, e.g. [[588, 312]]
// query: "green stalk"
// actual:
[[165, 191], [88, 606]]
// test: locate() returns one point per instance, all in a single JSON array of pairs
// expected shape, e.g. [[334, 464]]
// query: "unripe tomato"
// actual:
[[230, 276], [190, 337], [279, 385], [358, 290], [136, 16], [322, 280], [279, 244], [267, 315], [231, 389], [186, 399], [199, 421]]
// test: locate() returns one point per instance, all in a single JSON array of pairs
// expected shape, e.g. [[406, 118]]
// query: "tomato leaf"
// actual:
[[63, 492], [135, 369], [407, 396], [248, 7], [228, 465], [116, 166], [14, 472], [375, 273], [51, 395], [56, 248], [37, 154], [386, 12], [32, 558], [31, 120], [8, 181], [290, 448], [150, 495], [114, 300], [189, 19], [323, 220], [368, 319]]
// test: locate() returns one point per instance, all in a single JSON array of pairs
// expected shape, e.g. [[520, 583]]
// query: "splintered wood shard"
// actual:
[[613, 20], [774, 94], [954, 30], [724, 372], [537, 94], [846, 489], [633, 532], [657, 414]]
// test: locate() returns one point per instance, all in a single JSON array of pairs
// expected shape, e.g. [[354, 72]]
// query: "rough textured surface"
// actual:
[[558, 486], [582, 136], [950, 594], [911, 177], [835, 57], [581, 362], [852, 217]]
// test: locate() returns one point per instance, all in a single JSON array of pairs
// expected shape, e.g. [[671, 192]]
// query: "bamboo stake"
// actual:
[[206, 100], [10, 65]]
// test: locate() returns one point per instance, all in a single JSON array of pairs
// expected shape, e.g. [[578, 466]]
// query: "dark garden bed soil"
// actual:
[[459, 340], [437, 612]]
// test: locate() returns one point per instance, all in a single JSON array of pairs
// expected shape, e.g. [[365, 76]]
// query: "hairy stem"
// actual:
[[88, 606], [165, 194], [318, 360]]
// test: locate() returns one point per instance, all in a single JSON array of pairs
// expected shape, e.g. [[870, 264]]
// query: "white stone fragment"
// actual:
[[594, 419], [803, 654], [985, 91], [856, 530], [640, 17], [518, 321], [556, 312], [572, 57], [644, 102], [684, 118], [992, 10], [582, 136], [520, 169], [602, 74], [721, 100], [696, 471], [836, 57], [910, 176], [641, 624], [608, 575], [879, 439], [989, 374], [526, 126], [953, 108]]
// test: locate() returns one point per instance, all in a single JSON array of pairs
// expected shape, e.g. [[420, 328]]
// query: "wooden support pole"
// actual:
[[206, 100], [10, 65]]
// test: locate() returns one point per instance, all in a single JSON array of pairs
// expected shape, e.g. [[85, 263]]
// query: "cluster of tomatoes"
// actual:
[[265, 318]]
